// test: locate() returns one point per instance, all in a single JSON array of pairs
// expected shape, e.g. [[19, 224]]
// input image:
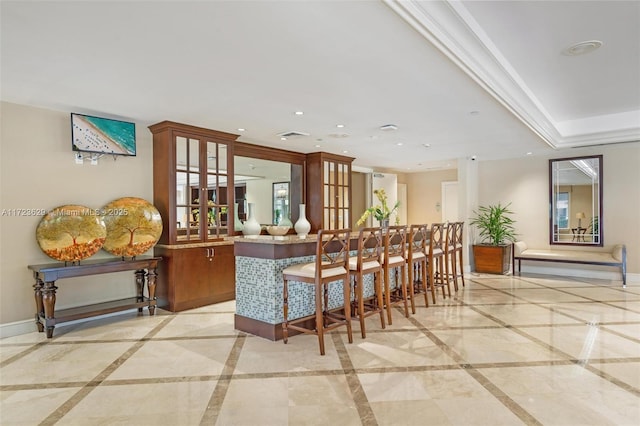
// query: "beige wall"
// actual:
[[424, 193], [524, 183], [38, 172]]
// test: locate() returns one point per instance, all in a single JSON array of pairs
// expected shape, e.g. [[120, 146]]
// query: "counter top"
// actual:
[[275, 239]]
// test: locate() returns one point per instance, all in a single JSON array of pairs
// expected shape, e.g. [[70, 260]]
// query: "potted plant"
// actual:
[[381, 212], [495, 225]]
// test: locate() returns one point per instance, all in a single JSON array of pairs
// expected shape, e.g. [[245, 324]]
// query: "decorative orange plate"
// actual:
[[133, 226], [71, 233]]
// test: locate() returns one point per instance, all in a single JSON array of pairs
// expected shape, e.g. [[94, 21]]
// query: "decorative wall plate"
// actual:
[[133, 226], [71, 233]]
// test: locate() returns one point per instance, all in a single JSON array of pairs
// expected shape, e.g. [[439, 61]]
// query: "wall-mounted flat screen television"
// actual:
[[102, 135]]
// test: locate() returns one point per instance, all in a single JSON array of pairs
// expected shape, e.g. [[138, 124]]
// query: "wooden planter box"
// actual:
[[492, 259]]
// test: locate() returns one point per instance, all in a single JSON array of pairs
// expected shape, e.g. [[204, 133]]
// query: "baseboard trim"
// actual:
[[29, 326], [581, 273]]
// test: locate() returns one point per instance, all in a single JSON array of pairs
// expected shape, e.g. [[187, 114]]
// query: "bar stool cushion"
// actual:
[[416, 255], [353, 264], [436, 252], [393, 260], [309, 270]]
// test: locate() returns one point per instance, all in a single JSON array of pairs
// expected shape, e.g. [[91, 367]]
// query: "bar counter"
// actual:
[[260, 260]]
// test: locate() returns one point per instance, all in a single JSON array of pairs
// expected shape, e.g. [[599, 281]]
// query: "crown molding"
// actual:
[[452, 30]]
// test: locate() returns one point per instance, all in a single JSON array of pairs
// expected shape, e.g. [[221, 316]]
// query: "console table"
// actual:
[[45, 288]]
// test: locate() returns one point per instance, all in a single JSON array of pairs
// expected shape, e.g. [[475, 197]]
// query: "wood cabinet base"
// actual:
[[193, 277], [492, 259]]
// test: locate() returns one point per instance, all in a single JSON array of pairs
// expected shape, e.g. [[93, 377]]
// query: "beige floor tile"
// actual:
[[409, 413], [605, 294], [567, 395], [494, 345], [176, 358], [395, 349], [142, 404], [486, 296], [452, 316], [585, 342], [544, 295], [33, 337], [300, 354], [7, 352], [198, 325], [63, 363], [477, 412], [627, 372], [30, 407], [598, 312], [632, 331], [421, 385], [256, 402], [408, 374], [119, 327], [526, 314]]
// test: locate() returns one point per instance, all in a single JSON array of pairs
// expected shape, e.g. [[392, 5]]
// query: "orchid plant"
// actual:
[[380, 211]]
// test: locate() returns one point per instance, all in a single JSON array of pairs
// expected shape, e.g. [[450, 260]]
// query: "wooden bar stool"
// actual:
[[435, 261], [459, 252], [394, 262], [368, 261], [450, 253], [331, 264], [417, 263]]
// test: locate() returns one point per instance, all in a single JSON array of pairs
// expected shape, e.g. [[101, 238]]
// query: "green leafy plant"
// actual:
[[380, 211], [494, 224]]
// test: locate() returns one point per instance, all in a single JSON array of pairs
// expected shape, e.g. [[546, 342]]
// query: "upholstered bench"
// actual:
[[617, 256]]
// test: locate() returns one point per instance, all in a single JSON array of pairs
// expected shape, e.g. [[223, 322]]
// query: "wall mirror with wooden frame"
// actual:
[[260, 171], [575, 201]]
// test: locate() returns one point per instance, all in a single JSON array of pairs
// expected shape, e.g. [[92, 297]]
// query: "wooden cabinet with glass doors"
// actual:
[[328, 191], [193, 190]]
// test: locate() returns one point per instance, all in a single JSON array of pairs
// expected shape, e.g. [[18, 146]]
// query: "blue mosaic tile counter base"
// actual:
[[259, 284], [259, 287]]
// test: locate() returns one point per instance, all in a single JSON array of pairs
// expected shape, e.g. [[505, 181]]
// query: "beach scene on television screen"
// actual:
[[95, 134]]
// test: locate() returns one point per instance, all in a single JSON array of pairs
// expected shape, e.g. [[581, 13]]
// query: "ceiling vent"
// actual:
[[292, 134], [387, 127]]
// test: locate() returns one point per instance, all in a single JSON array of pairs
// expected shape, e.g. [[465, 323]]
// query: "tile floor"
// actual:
[[505, 350]]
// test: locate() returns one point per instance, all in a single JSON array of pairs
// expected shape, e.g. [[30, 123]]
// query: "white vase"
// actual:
[[284, 220], [251, 225], [302, 226], [237, 223]]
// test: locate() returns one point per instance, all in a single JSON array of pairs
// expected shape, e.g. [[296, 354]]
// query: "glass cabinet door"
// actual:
[[201, 189], [187, 188], [336, 195], [217, 204]]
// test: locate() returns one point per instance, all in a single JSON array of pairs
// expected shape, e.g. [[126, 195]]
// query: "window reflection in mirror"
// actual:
[[575, 196], [254, 181]]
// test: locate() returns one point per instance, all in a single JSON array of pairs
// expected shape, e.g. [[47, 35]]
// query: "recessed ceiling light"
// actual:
[[299, 113], [339, 126], [317, 146], [241, 129], [581, 48], [388, 127], [529, 153], [345, 151], [399, 144], [283, 138]]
